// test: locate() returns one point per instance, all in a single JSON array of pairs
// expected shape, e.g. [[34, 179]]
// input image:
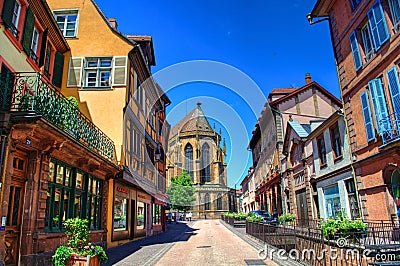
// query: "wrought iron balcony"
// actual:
[[30, 93], [390, 128]]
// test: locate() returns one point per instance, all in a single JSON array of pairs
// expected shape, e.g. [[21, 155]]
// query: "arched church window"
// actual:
[[207, 202], [189, 159], [205, 163], [219, 202]]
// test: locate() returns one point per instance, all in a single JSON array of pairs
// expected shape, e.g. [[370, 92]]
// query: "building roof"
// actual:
[[195, 120], [307, 86], [301, 130], [106, 20], [326, 123], [321, 8]]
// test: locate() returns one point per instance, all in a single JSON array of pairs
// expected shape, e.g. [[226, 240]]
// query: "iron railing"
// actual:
[[379, 242], [31, 93], [390, 128]]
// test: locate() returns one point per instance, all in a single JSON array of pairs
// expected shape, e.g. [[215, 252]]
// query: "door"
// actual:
[[302, 207], [15, 207]]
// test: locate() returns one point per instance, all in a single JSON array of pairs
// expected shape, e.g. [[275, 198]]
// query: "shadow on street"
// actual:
[[175, 232]]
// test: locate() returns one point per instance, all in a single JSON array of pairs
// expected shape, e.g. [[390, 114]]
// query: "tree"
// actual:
[[181, 192]]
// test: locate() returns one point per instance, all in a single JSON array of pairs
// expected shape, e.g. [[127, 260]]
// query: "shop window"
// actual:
[[141, 215], [157, 214], [332, 201], [66, 196], [120, 213]]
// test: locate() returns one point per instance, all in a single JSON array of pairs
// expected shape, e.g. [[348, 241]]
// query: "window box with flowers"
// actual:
[[79, 250]]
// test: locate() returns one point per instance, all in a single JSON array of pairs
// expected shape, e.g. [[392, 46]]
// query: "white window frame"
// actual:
[[16, 14], [65, 13], [98, 70], [367, 37], [34, 44]]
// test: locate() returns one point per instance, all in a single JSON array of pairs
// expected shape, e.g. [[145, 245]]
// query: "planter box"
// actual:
[[83, 261]]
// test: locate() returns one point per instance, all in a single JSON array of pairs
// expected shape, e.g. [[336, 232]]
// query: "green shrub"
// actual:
[[254, 218], [287, 217]]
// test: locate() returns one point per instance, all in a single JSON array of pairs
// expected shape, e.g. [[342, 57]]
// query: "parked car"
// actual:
[[268, 218]]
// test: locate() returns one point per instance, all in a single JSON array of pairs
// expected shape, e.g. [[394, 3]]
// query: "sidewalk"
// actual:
[[258, 244], [147, 251]]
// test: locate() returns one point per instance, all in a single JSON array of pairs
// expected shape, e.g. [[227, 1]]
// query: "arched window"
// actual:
[[205, 163], [207, 202], [219, 202], [189, 159], [395, 184]]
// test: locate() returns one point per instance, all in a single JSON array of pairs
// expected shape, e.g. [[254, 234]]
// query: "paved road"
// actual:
[[211, 243], [147, 251]]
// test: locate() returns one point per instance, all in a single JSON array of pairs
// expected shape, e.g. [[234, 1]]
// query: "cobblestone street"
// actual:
[[204, 242]]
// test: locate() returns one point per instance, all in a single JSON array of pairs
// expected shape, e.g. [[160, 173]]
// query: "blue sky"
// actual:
[[269, 41]]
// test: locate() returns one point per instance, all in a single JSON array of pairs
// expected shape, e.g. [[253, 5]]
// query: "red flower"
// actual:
[[80, 242]]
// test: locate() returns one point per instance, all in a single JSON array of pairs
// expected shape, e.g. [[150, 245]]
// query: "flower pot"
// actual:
[[83, 261]]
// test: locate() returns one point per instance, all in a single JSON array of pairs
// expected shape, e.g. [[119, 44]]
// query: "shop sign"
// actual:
[[122, 190], [141, 196]]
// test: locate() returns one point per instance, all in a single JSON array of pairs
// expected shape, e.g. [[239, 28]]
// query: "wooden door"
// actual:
[[15, 207], [302, 206]]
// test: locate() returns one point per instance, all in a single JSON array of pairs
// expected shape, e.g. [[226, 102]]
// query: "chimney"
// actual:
[[308, 78], [113, 23]]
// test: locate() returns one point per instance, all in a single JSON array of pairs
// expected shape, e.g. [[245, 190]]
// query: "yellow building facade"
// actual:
[[103, 75]]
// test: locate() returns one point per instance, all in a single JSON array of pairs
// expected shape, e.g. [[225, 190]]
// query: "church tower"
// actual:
[[196, 147]]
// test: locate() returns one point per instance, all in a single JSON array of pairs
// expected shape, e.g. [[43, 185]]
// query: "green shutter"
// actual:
[[58, 69], [28, 31], [43, 48], [8, 9], [6, 88]]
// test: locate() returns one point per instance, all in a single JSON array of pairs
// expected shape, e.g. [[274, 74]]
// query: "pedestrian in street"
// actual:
[[169, 217], [189, 216]]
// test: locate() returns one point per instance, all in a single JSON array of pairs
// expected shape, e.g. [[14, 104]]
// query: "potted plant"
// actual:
[[79, 250], [343, 227]]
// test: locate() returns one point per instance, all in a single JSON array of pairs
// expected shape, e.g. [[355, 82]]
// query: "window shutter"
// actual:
[[379, 103], [58, 69], [43, 48], [8, 9], [378, 26], [369, 129], [75, 72], [119, 71], [7, 85], [394, 86], [28, 31], [355, 50]]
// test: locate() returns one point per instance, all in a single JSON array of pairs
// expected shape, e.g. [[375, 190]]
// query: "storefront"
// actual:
[[132, 214], [337, 194]]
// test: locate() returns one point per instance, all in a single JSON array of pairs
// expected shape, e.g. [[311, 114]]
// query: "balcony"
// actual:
[[28, 92], [390, 129]]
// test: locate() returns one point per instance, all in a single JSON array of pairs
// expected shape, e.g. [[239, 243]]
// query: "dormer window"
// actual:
[[67, 21]]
